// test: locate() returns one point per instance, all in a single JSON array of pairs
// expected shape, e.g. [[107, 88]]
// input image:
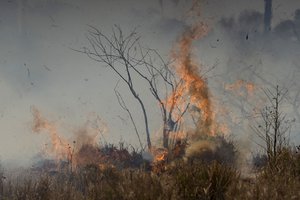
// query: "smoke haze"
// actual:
[[38, 67]]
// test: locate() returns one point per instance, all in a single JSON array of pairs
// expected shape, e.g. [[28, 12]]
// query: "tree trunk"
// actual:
[[166, 137], [145, 121]]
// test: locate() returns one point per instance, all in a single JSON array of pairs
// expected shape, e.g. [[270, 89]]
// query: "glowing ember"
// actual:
[[160, 157], [160, 154]]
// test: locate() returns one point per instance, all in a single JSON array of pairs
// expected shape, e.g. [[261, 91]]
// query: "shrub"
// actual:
[[203, 181]]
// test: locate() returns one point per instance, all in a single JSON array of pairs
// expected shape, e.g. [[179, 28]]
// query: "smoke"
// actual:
[[264, 59], [289, 29], [248, 21], [256, 59], [200, 147], [81, 148], [238, 42], [251, 58], [247, 32], [213, 149]]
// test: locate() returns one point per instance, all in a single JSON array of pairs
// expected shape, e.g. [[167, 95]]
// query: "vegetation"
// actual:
[[115, 172], [271, 183], [208, 171], [132, 62], [195, 178]]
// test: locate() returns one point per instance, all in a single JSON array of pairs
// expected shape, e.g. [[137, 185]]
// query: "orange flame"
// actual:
[[194, 85], [59, 147], [160, 157], [241, 87]]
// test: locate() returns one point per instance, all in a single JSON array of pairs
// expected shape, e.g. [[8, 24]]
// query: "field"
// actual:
[[200, 177]]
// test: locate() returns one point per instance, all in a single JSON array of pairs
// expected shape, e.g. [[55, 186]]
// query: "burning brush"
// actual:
[[84, 150], [203, 139]]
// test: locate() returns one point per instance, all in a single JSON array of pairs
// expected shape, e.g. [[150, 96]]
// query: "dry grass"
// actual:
[[92, 183], [279, 179], [193, 179]]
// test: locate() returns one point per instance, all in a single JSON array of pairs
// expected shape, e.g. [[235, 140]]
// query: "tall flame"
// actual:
[[194, 85]]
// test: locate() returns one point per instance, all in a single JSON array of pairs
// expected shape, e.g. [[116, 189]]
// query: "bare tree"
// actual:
[[130, 61], [274, 126]]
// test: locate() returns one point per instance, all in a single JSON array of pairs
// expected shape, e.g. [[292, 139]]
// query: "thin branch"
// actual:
[[123, 105]]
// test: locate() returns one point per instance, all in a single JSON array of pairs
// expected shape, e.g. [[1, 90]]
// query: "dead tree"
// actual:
[[274, 126], [130, 61]]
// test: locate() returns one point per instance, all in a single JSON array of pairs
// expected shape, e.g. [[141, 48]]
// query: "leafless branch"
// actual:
[[129, 60], [123, 105]]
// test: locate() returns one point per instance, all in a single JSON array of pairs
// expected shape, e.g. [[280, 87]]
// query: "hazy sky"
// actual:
[[38, 67]]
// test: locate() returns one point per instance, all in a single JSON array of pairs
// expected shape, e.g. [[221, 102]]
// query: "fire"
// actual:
[[241, 87], [194, 85], [81, 149], [160, 157], [59, 147], [159, 154], [193, 90]]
